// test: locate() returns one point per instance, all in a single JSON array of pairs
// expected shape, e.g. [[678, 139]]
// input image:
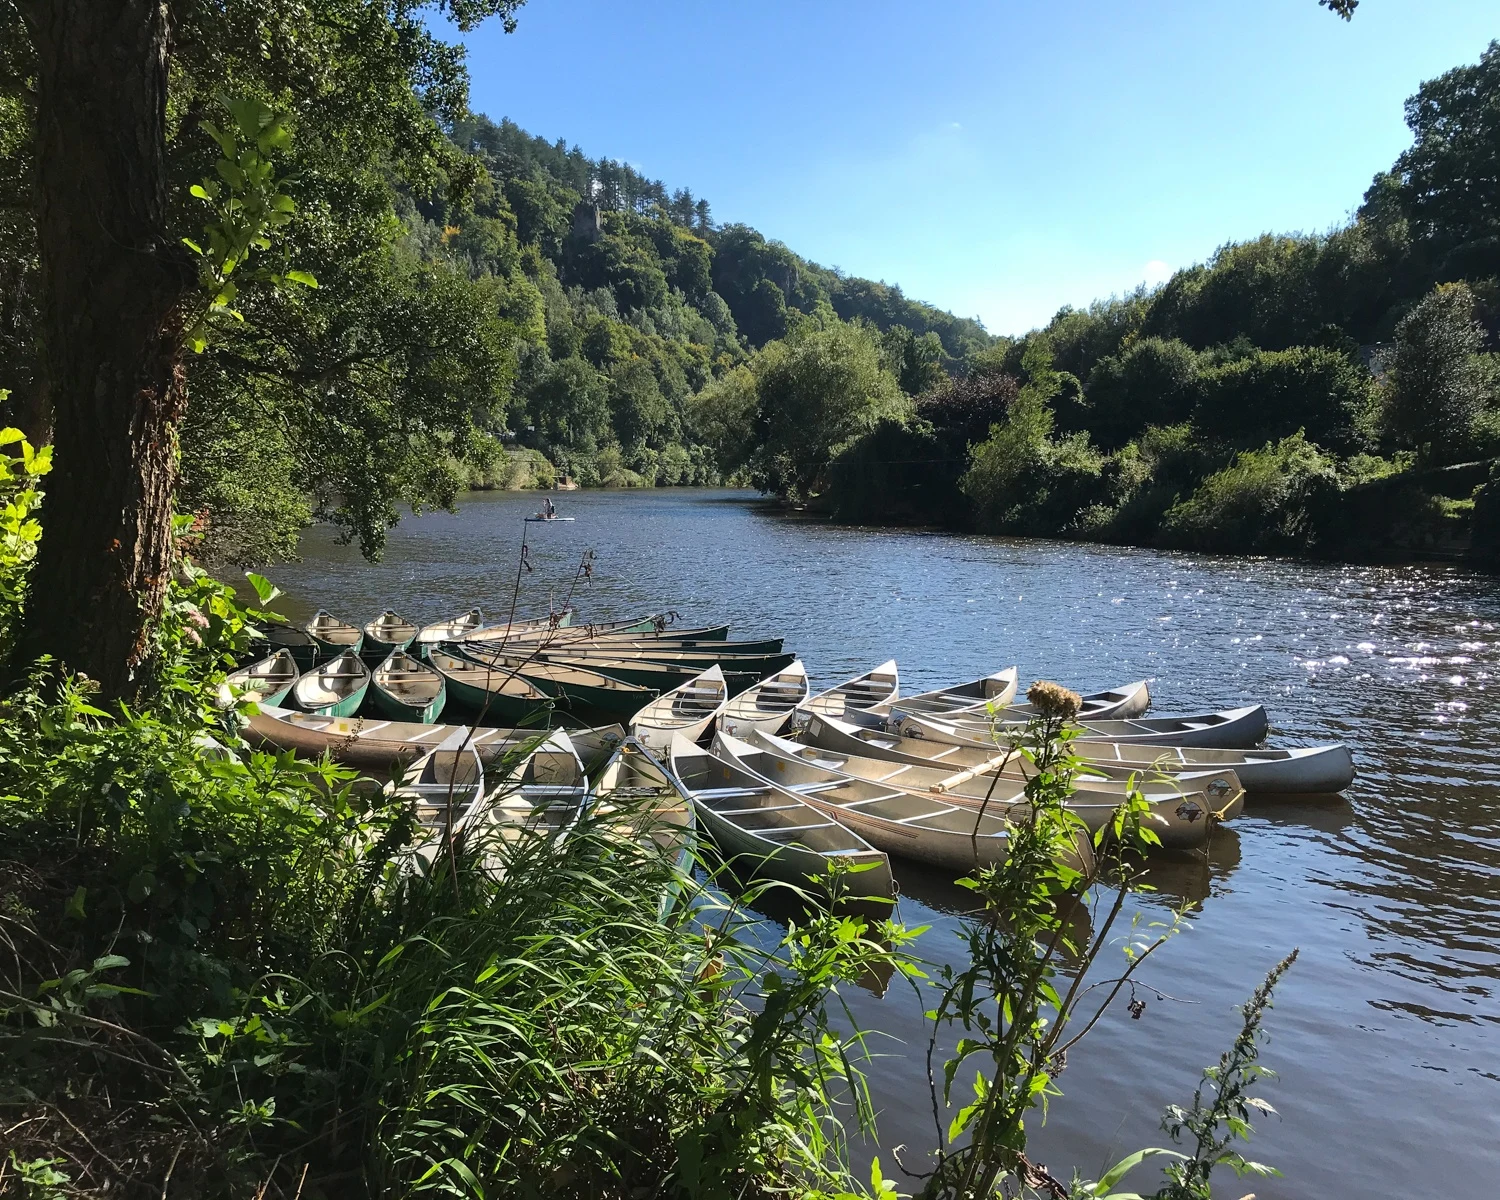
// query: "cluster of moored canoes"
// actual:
[[729, 737]]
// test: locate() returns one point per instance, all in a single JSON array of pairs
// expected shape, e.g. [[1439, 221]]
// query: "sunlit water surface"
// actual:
[[1385, 1033]]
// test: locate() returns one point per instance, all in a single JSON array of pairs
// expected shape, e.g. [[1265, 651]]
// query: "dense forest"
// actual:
[[500, 310]]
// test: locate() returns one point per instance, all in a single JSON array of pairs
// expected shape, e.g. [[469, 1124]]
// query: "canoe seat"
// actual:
[[730, 792], [768, 808], [812, 789], [792, 830]]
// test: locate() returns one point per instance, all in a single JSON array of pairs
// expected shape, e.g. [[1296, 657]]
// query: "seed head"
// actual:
[[1052, 700]]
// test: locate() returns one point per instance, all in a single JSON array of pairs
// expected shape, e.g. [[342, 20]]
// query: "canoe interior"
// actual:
[[391, 629], [336, 682]]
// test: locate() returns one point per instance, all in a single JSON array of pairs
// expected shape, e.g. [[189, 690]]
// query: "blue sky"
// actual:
[[998, 159]]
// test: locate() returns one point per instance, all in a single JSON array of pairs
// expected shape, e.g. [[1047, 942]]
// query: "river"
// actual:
[[1386, 1033]]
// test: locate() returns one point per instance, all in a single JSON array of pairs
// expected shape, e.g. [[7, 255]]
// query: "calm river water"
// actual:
[[1386, 1034]]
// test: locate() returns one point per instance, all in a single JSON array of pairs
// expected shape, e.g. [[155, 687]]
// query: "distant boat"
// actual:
[[548, 520], [379, 745]]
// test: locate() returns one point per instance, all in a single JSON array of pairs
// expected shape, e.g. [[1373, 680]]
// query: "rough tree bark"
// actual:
[[112, 294]]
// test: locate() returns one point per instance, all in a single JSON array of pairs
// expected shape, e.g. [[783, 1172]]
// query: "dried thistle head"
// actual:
[[1054, 701]]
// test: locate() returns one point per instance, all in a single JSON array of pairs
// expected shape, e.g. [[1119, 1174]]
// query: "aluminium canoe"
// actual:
[[336, 688], [875, 690], [997, 690], [454, 629], [771, 833], [443, 787], [1113, 704], [404, 688], [389, 631], [269, 680], [1308, 770], [565, 681], [492, 693], [1234, 728], [1182, 813], [638, 799], [333, 635], [686, 711], [769, 704], [929, 829], [544, 794], [378, 745]]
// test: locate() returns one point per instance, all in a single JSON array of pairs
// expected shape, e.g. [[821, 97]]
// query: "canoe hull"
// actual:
[[396, 709]]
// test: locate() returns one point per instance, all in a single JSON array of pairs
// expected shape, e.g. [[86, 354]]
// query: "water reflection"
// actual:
[[1393, 893]]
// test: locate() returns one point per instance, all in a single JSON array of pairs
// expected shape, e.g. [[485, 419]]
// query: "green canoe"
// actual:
[[269, 680], [404, 688], [497, 693], [332, 635], [335, 689], [662, 677], [389, 631], [574, 685]]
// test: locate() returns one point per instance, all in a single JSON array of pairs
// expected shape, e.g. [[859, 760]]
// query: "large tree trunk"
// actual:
[[113, 285]]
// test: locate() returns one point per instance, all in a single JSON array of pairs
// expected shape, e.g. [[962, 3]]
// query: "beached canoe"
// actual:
[[388, 632], [640, 800], [768, 705], [303, 648], [967, 760], [454, 629], [929, 829], [332, 635], [746, 664], [336, 688], [1310, 770], [636, 646], [573, 685], [874, 690], [493, 693], [565, 630], [1114, 704], [660, 677], [761, 830], [443, 787], [685, 711], [1234, 728], [405, 688], [544, 794], [372, 744], [1182, 812], [997, 690], [269, 680]]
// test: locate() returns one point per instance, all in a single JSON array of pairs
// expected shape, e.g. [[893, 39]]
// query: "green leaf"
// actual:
[[74, 909], [305, 278], [110, 961], [265, 590], [1129, 1163]]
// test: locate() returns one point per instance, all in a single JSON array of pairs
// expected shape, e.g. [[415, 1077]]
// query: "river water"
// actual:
[[1386, 1033]]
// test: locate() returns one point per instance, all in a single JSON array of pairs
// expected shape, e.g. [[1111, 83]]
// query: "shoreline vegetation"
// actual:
[[1332, 396]]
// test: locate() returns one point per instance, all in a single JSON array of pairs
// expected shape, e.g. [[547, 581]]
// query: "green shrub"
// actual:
[[1260, 503]]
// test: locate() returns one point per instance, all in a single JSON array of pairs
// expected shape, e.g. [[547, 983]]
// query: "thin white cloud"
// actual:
[[1157, 272]]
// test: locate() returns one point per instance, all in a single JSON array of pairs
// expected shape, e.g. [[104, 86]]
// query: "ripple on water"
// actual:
[[1385, 1030]]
